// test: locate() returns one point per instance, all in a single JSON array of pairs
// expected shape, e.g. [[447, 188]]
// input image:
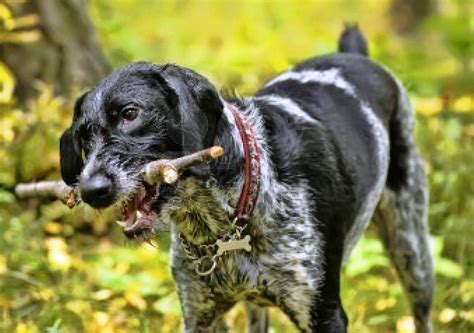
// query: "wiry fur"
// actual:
[[282, 226], [336, 140], [402, 219]]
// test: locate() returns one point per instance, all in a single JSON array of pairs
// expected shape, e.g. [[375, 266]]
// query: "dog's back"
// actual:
[[341, 142], [343, 125]]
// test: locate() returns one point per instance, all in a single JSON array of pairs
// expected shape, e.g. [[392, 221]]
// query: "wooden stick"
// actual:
[[168, 171], [53, 189]]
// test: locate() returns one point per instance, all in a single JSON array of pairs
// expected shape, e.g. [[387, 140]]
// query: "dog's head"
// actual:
[[138, 114]]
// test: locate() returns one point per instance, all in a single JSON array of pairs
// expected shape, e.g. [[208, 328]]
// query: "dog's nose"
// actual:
[[97, 191]]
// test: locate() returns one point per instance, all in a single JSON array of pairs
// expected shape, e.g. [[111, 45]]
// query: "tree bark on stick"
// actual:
[[163, 171]]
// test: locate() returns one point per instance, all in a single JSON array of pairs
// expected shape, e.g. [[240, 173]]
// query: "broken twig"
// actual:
[[52, 189], [166, 171]]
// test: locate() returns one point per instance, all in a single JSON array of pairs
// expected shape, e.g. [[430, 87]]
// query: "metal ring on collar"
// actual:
[[213, 262]]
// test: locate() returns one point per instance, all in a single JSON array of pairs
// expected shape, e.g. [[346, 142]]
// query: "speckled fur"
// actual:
[[336, 139], [402, 223], [283, 268]]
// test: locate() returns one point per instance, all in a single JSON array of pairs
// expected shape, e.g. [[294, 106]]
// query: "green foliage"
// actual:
[[370, 256], [63, 271], [444, 266]]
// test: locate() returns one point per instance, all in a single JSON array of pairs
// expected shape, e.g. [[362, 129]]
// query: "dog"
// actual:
[[310, 159]]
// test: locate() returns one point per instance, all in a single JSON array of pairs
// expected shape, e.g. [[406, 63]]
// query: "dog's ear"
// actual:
[[70, 150], [199, 108]]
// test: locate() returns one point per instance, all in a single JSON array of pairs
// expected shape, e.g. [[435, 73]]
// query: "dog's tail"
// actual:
[[353, 41]]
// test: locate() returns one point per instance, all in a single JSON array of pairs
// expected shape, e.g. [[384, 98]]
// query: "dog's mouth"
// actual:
[[140, 212]]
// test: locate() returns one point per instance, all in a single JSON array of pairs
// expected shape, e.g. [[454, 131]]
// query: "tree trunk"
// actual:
[[406, 15], [66, 56]]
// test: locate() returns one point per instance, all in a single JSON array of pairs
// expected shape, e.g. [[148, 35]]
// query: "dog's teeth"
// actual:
[[122, 223]]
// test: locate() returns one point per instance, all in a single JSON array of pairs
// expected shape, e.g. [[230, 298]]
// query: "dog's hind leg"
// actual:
[[402, 227], [401, 217]]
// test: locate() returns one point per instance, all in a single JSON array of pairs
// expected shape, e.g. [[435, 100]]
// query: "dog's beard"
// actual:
[[137, 203]]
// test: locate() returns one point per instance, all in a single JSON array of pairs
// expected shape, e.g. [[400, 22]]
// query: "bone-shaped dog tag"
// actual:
[[232, 245]]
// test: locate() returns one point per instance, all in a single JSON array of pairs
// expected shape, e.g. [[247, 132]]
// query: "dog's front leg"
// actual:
[[203, 309], [329, 315]]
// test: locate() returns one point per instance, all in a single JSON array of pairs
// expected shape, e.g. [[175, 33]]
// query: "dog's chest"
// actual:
[[240, 276], [283, 268]]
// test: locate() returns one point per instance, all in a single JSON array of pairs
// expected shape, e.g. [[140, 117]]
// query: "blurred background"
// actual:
[[73, 271]]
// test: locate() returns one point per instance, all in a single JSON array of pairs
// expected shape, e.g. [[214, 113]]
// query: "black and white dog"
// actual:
[[332, 149]]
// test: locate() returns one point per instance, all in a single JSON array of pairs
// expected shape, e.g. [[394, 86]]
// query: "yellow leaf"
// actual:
[[428, 106], [135, 300], [117, 304], [384, 304], [26, 21], [468, 316], [102, 318], [464, 104], [7, 84], [5, 12], [58, 256], [55, 244], [102, 294], [17, 37], [447, 315], [53, 228], [122, 268], [60, 260], [21, 328], [79, 307], [44, 294], [3, 264], [405, 324]]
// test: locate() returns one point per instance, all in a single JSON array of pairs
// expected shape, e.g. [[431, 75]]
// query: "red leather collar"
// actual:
[[250, 188]]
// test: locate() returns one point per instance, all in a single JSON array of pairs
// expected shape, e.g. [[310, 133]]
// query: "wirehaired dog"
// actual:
[[316, 154]]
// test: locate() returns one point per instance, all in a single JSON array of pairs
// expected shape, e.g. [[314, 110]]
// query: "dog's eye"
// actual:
[[129, 114]]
